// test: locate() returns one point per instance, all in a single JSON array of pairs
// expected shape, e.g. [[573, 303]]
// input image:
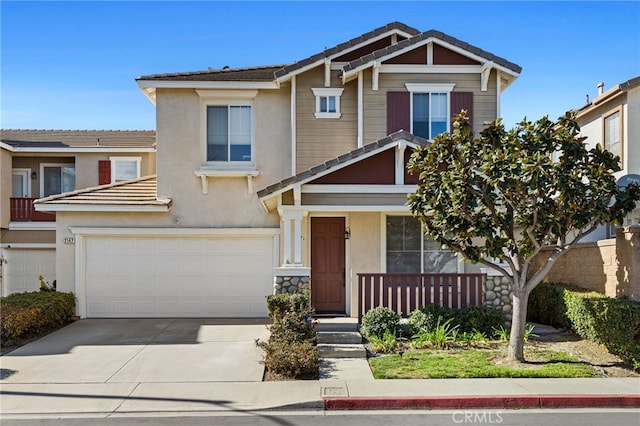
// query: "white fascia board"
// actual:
[[6, 146], [358, 189], [230, 85], [175, 232], [319, 62], [101, 208], [80, 150], [306, 209], [32, 226]]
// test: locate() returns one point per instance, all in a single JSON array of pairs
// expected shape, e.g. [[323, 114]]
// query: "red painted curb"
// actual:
[[499, 401]]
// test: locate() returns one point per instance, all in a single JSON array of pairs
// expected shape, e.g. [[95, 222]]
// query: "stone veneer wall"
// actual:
[[611, 267], [498, 294], [288, 284]]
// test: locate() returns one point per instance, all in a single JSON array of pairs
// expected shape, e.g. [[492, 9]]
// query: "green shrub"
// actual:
[[425, 318], [614, 323], [291, 360], [277, 304], [29, 314], [479, 318], [385, 344], [291, 351], [378, 321], [441, 337]]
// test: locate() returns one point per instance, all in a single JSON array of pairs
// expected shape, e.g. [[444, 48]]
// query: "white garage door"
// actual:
[[24, 266], [211, 276]]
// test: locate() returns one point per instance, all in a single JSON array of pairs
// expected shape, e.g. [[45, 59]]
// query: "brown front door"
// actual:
[[328, 264]]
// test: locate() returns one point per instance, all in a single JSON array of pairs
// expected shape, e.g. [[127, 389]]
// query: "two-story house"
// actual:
[[612, 119], [41, 163], [271, 176]]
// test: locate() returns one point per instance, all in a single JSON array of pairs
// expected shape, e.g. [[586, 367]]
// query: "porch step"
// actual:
[[341, 351], [336, 324], [339, 337]]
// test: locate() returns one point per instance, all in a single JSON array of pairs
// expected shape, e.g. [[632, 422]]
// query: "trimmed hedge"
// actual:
[[614, 323], [26, 315], [290, 352]]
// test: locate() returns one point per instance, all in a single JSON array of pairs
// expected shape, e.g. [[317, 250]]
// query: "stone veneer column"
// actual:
[[291, 279], [498, 292]]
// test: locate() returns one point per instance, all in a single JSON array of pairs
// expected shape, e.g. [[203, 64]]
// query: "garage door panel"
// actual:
[[178, 277]]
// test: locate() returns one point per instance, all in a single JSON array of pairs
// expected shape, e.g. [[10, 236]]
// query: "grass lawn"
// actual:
[[479, 363]]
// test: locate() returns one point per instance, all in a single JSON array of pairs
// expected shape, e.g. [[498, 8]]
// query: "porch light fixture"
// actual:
[[347, 233], [34, 175]]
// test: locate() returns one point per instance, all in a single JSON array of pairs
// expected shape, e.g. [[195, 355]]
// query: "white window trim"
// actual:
[[26, 173], [327, 92], [115, 160], [226, 98], [43, 165], [430, 88]]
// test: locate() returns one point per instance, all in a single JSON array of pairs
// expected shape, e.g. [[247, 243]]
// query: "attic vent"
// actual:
[[225, 68]]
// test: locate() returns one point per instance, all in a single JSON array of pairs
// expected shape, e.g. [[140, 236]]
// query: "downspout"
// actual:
[[497, 93]]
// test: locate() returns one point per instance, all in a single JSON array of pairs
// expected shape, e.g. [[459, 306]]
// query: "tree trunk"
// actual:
[[518, 324]]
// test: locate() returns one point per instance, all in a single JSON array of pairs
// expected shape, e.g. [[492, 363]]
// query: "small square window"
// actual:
[[327, 102], [124, 168]]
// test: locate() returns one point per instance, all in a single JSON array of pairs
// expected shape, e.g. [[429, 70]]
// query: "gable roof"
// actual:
[[423, 38], [393, 27], [45, 140], [272, 76], [616, 90], [128, 196], [339, 162]]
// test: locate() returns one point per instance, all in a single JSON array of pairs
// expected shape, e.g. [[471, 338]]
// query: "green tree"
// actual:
[[501, 197]]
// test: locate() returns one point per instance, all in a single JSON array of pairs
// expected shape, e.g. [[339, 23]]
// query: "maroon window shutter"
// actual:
[[462, 101], [104, 172], [398, 112]]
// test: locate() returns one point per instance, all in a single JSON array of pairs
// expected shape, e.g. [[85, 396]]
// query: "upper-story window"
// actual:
[[430, 111], [57, 178], [327, 102], [613, 133], [229, 133], [124, 168]]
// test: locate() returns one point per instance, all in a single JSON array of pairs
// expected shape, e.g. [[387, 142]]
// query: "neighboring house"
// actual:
[[41, 163], [272, 175], [612, 119]]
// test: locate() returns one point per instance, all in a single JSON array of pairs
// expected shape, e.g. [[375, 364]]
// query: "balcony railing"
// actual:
[[404, 293], [22, 210]]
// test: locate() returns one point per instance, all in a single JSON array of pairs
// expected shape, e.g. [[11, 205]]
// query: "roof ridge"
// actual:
[[212, 71], [79, 130]]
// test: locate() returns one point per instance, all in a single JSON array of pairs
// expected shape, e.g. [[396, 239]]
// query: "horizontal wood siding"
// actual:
[[319, 139], [375, 102], [354, 199]]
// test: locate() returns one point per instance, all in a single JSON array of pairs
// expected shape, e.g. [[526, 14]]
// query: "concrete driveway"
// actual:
[[141, 351]]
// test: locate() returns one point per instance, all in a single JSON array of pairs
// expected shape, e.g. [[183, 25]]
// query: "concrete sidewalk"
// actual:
[[138, 367], [350, 393]]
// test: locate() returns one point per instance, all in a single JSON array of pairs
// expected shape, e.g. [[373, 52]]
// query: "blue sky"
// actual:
[[72, 65]]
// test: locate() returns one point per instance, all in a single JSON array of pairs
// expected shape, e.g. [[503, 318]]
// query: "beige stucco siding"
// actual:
[[181, 152], [591, 126], [632, 134], [320, 139], [375, 101], [364, 249], [5, 187]]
